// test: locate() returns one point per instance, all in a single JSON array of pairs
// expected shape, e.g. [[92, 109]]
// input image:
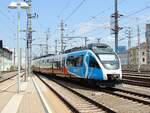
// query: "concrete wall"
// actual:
[[5, 64]]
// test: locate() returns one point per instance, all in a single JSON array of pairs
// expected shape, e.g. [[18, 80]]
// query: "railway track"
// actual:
[[7, 78], [2, 79], [137, 79], [136, 97], [136, 74], [8, 82], [137, 83], [133, 97], [131, 92], [77, 102]]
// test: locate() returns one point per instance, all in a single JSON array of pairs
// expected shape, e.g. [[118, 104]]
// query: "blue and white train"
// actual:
[[97, 63]]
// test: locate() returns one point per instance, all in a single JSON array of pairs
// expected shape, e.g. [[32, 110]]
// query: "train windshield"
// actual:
[[109, 61], [102, 49]]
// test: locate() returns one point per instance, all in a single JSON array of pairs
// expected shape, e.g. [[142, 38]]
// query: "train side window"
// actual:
[[93, 62], [58, 64], [63, 62], [70, 61], [79, 61], [75, 61], [50, 64]]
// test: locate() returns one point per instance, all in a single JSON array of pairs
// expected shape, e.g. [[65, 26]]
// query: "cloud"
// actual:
[[88, 27]]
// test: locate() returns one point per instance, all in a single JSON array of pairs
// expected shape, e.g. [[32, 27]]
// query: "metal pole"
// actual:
[[29, 37], [20, 58], [0, 62], [30, 57], [3, 59], [56, 46], [47, 38], [27, 52], [116, 26], [14, 58], [26, 65], [18, 49], [129, 43], [85, 41], [62, 35], [98, 40], [139, 58]]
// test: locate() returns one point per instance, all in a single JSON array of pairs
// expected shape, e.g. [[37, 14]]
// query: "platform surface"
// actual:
[[27, 101]]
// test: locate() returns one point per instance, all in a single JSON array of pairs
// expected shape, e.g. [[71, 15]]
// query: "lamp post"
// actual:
[[18, 5]]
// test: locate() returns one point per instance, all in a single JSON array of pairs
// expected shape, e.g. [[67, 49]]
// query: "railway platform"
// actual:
[[7, 75], [31, 99], [27, 101]]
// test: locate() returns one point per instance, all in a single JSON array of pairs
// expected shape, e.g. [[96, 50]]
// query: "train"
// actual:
[[96, 62]]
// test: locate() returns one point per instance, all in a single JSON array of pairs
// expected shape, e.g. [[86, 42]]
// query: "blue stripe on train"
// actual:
[[93, 73]]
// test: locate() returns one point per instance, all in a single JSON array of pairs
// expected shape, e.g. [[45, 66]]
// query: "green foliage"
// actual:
[[13, 68]]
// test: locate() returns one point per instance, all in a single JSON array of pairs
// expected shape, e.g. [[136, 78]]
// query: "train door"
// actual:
[[85, 65], [94, 70], [81, 66], [78, 65], [75, 65], [64, 70]]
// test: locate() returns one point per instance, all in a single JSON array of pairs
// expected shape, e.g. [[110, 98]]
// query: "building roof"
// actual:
[[43, 56], [142, 45], [6, 50]]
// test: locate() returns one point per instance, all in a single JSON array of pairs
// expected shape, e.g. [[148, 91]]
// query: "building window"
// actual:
[[143, 59], [143, 53]]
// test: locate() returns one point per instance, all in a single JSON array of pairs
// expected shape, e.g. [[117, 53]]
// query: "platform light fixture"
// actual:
[[14, 5], [18, 5]]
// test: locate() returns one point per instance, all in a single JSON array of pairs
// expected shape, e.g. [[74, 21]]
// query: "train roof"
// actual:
[[43, 56], [89, 47]]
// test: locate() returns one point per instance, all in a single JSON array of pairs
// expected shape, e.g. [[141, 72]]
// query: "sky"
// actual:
[[82, 18]]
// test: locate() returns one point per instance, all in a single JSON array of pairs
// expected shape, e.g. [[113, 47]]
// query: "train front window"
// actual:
[[109, 61], [102, 49], [93, 63]]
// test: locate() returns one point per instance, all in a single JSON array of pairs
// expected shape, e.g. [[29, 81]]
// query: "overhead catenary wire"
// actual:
[[101, 12], [7, 17], [136, 12], [90, 18], [76, 8], [8, 26], [63, 9]]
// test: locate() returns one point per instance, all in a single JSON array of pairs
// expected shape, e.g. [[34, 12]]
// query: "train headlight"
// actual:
[[113, 76]]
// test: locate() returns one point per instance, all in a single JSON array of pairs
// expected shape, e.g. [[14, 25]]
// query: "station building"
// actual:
[[5, 58], [131, 56], [147, 35], [134, 55]]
